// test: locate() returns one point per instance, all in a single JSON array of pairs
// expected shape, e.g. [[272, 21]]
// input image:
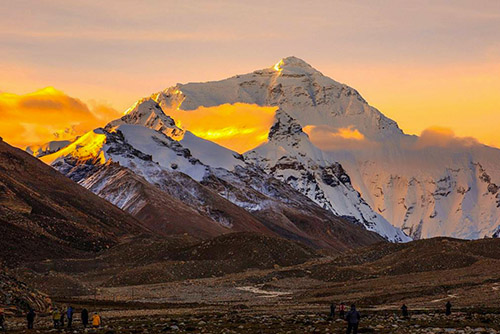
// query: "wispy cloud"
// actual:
[[329, 138], [443, 137]]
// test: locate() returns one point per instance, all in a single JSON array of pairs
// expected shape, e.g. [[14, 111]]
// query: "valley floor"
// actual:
[[424, 275], [280, 319], [283, 300]]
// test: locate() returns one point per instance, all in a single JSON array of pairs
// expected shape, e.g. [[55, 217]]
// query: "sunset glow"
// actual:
[[239, 127], [331, 138], [87, 147], [48, 114], [424, 65]]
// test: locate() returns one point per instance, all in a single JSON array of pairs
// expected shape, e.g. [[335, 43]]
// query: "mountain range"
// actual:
[[62, 239], [331, 163]]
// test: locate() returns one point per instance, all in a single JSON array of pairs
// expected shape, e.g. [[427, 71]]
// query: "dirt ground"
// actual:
[[296, 299], [281, 319], [272, 301]]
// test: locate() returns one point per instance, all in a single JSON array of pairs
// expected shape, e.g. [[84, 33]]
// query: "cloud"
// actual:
[[239, 127], [48, 114], [329, 138], [443, 137]]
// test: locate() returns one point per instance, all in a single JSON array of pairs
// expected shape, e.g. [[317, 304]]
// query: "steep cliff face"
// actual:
[[432, 191]]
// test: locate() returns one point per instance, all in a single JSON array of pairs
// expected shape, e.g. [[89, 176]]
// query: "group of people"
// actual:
[[405, 314], [353, 316], [58, 317]]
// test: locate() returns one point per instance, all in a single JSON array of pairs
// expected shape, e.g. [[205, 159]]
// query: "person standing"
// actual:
[[2, 320], [448, 308], [30, 317], [62, 314], [96, 320], [404, 311], [85, 318], [332, 310], [56, 317], [352, 317], [69, 315], [342, 310]]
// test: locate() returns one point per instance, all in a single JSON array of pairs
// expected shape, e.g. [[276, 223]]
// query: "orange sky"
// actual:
[[423, 64], [48, 114]]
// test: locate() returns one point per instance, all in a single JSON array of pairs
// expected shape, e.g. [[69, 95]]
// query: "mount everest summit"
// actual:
[[302, 179]]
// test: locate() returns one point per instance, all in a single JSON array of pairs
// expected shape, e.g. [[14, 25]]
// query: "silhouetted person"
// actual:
[[332, 310], [342, 310], [62, 314], [352, 317], [85, 317], [30, 317], [448, 308], [69, 315], [404, 310], [2, 320]]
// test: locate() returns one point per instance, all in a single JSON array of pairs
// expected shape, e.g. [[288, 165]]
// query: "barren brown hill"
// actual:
[[248, 250], [223, 255], [386, 259], [44, 215], [425, 273], [173, 258]]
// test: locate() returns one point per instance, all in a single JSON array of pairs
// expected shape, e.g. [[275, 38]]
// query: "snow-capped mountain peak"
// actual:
[[284, 127], [381, 167], [293, 65], [147, 112]]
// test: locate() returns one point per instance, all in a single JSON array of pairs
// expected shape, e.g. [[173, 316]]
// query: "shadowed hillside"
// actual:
[[44, 215]]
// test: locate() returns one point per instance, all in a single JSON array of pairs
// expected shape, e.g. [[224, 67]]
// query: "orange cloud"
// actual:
[[239, 127], [48, 114], [330, 138], [443, 137]]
